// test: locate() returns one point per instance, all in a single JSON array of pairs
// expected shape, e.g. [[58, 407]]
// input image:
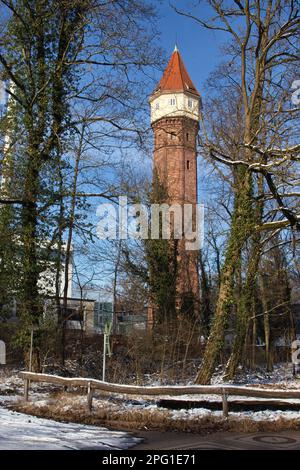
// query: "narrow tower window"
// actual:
[[157, 106], [187, 136], [190, 103], [172, 101], [187, 164]]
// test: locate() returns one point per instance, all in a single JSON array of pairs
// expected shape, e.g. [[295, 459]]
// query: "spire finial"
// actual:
[[176, 43]]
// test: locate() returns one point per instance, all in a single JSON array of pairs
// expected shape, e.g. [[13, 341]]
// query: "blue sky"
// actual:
[[199, 47], [200, 50]]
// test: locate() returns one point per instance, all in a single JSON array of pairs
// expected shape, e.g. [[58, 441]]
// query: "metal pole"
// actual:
[[30, 353], [104, 357]]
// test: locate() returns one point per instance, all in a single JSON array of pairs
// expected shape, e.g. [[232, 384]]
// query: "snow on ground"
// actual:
[[198, 413], [232, 398], [280, 377], [22, 432], [150, 410], [258, 416], [10, 382]]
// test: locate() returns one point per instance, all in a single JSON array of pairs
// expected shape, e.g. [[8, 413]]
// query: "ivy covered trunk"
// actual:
[[30, 294], [242, 227], [246, 306], [245, 310], [39, 125]]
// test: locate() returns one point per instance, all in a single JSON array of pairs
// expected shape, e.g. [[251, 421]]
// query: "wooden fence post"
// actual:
[[89, 397], [26, 389], [225, 403]]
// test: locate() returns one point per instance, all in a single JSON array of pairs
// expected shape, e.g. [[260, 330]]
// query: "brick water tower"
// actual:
[[175, 112]]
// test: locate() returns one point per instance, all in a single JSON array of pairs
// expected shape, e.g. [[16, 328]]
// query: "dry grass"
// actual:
[[72, 408], [112, 415]]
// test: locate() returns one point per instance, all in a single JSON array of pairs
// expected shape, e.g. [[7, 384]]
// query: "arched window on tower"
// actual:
[[187, 136], [187, 164]]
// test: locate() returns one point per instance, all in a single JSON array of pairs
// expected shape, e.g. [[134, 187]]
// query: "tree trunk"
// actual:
[[254, 337], [30, 307], [242, 227], [115, 283], [205, 297], [58, 248], [245, 310], [68, 249], [266, 325]]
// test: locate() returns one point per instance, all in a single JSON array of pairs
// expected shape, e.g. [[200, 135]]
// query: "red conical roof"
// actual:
[[175, 77]]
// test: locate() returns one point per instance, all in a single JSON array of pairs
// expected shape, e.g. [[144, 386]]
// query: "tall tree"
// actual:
[[263, 38], [63, 58]]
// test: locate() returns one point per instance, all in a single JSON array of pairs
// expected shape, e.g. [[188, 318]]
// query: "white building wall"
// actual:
[[47, 280], [173, 105]]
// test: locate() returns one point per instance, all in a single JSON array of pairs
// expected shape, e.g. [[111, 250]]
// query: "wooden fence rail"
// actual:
[[169, 390]]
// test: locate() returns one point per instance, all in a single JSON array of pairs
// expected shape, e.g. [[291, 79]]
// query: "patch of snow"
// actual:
[[23, 432], [193, 414], [268, 415], [258, 416], [41, 403], [282, 375]]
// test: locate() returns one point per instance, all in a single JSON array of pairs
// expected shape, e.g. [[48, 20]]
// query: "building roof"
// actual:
[[176, 77]]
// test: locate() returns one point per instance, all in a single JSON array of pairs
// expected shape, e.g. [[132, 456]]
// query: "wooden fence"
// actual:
[[170, 390]]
